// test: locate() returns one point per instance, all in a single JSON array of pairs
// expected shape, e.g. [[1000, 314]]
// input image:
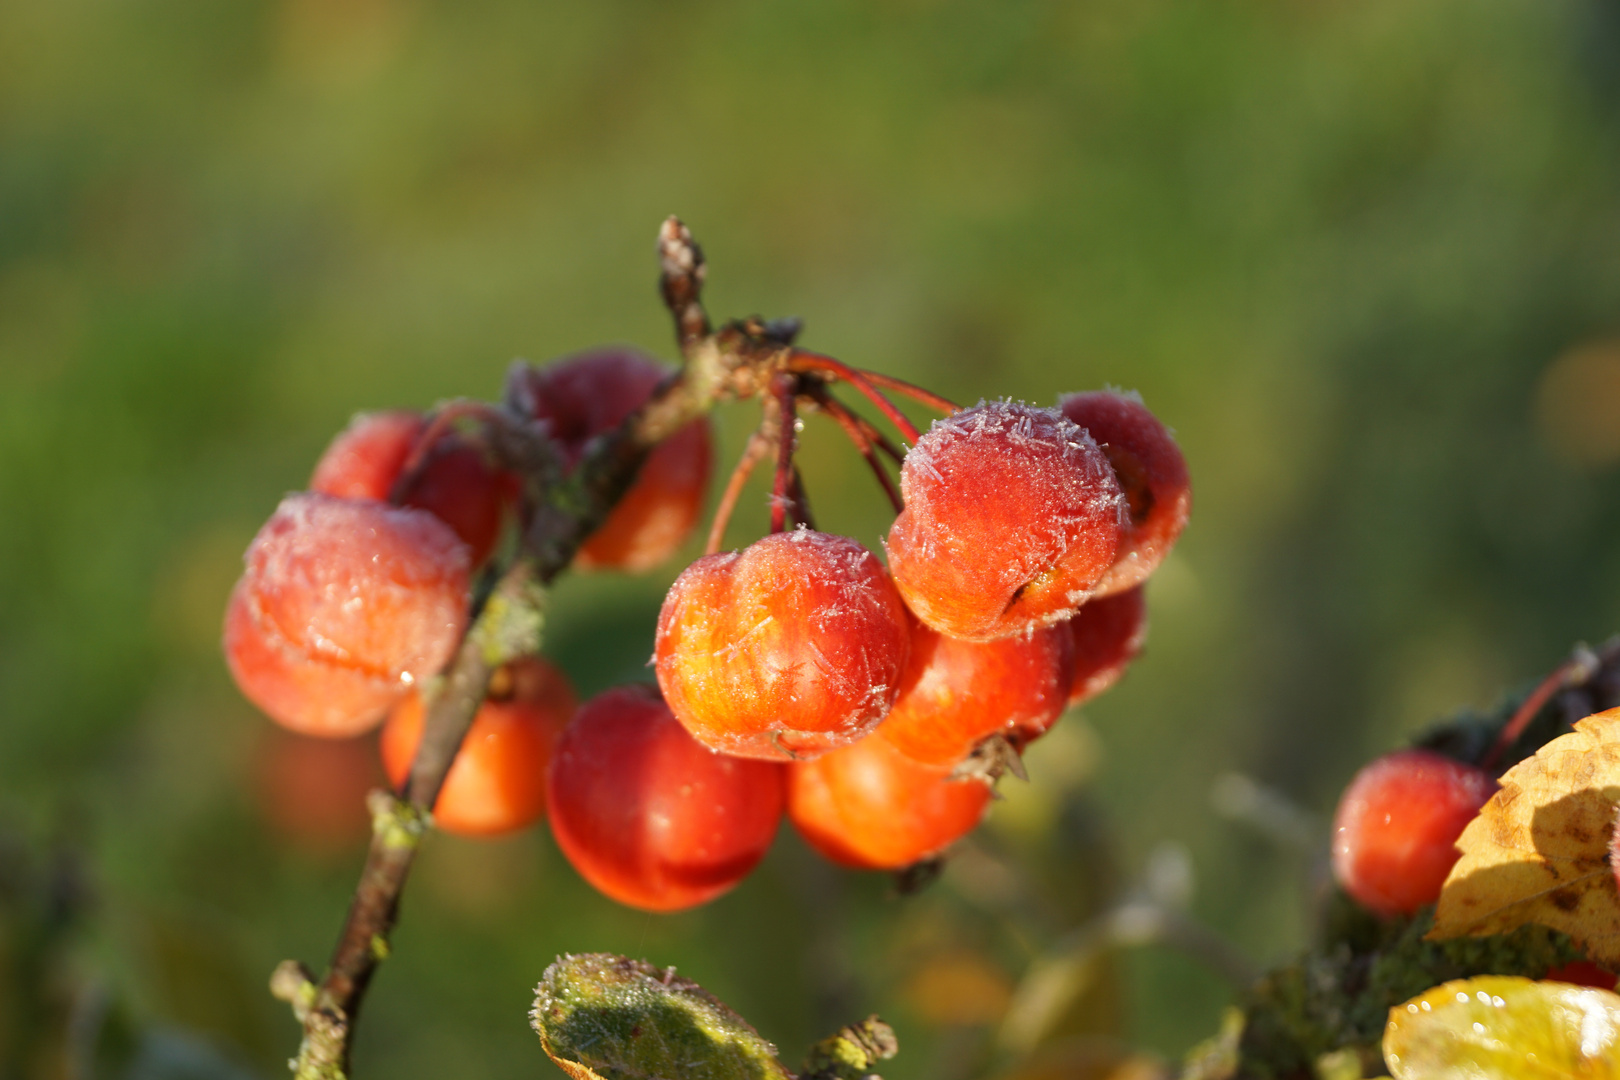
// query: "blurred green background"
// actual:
[[1363, 257]]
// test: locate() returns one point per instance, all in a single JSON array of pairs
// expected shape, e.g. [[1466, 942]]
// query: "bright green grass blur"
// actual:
[[1337, 247]]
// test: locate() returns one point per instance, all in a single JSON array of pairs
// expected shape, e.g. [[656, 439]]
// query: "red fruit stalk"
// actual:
[[785, 650], [647, 814], [1012, 518]]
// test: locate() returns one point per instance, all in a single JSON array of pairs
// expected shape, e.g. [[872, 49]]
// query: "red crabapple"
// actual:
[[586, 395], [870, 806], [1150, 468], [365, 458], [1012, 516], [1108, 634], [1614, 851], [343, 606], [312, 792], [1395, 831], [456, 484], [786, 649], [1583, 973], [955, 693], [649, 815], [497, 782]]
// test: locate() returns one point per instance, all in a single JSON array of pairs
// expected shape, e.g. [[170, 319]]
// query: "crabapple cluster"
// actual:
[[356, 593], [1013, 589], [874, 705]]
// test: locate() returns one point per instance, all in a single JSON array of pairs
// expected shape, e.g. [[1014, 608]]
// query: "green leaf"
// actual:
[[1497, 1025], [603, 1017]]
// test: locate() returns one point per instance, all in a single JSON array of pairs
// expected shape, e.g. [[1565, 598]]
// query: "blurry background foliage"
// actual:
[[1364, 257]]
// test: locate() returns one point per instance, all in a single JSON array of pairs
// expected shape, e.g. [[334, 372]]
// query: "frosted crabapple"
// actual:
[[650, 816], [584, 396], [454, 482], [786, 649], [1396, 828], [955, 693], [1012, 517], [497, 783], [343, 605], [871, 807], [1150, 469]]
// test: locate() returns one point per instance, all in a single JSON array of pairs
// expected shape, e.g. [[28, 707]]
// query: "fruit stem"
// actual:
[[438, 426], [1576, 669], [911, 390], [859, 434], [784, 392], [809, 362], [759, 444], [801, 501]]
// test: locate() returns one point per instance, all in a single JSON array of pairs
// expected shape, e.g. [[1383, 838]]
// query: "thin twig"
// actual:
[[1577, 668], [759, 444], [680, 281], [912, 391], [439, 425], [784, 391], [800, 501], [801, 361], [853, 430]]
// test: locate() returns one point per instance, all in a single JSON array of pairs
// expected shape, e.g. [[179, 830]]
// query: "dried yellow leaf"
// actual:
[[1539, 850]]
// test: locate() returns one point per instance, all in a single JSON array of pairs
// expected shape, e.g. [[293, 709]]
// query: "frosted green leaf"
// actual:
[[603, 1017], [1499, 1026]]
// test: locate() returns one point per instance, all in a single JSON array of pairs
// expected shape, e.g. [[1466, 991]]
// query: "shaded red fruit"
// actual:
[[954, 693], [343, 606], [1012, 516], [1583, 973], [312, 792], [1396, 828], [649, 815], [456, 484], [786, 649], [497, 783], [1108, 633], [1150, 469], [870, 806], [1614, 852], [586, 395]]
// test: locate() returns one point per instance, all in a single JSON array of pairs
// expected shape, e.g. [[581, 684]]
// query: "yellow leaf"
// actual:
[[1539, 850], [1500, 1026]]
